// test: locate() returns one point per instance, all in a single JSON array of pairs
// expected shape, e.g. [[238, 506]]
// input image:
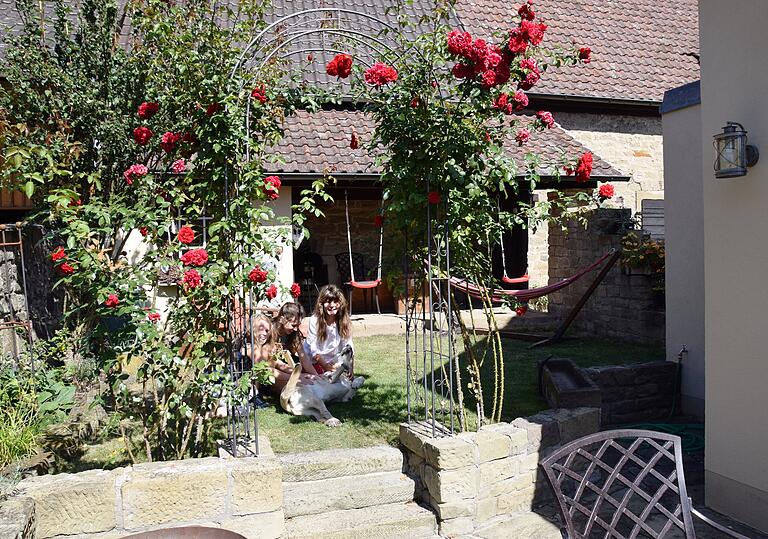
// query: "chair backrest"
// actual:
[[621, 484], [342, 263]]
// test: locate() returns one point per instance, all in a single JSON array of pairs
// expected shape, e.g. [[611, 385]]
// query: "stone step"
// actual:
[[351, 492], [391, 521], [522, 525], [332, 463]]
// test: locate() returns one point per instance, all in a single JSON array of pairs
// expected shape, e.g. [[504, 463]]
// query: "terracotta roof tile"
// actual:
[[316, 142], [640, 48]]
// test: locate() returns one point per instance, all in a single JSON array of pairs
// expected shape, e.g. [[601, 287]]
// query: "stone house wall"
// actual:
[[623, 306], [471, 478]]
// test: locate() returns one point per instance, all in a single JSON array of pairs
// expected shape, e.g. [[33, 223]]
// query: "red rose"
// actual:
[[58, 254], [462, 71], [143, 231], [142, 135], [583, 167], [66, 269], [533, 32], [415, 102], [433, 197], [378, 221], [502, 103], [310, 57], [191, 279], [353, 142], [295, 290], [380, 74], [179, 166], [606, 191], [521, 310], [195, 257], [135, 172], [259, 94], [433, 84], [112, 300], [271, 186], [169, 140], [584, 54], [186, 235], [459, 42], [340, 66], [520, 100], [257, 275], [526, 11], [147, 110], [212, 109], [489, 78], [518, 42], [546, 118], [522, 136], [153, 317], [79, 202], [271, 292]]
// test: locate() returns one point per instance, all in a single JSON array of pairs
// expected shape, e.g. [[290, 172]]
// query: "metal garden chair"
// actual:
[[623, 484]]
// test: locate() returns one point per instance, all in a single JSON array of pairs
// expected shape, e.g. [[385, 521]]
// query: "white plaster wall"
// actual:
[[734, 79], [684, 237]]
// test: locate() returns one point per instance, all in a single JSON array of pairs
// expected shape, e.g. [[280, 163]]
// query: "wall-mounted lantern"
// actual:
[[734, 155]]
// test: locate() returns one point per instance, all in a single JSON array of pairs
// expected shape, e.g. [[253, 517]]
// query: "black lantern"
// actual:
[[734, 155]]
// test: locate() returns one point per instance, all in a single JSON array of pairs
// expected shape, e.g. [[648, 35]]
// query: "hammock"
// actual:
[[498, 294]]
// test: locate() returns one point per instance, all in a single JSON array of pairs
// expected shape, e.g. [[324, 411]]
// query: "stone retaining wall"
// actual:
[[635, 393], [236, 494], [471, 478]]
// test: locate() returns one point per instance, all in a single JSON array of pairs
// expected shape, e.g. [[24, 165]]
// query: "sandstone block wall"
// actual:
[[235, 494], [623, 306], [474, 477], [633, 393]]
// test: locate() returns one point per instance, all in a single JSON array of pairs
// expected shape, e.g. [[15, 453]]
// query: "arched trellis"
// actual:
[[430, 342]]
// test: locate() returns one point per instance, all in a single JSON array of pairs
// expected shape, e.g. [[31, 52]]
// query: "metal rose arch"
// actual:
[[431, 357]]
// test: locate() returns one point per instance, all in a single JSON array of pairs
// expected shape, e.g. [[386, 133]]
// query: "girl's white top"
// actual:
[[327, 349]]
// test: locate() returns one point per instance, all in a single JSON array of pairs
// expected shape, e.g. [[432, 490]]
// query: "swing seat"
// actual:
[[364, 284], [516, 280]]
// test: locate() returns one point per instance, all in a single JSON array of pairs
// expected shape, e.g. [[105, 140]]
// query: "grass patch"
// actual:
[[373, 416]]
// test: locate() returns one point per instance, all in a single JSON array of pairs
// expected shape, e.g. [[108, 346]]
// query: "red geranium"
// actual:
[[66, 269], [354, 143], [147, 110], [295, 290], [340, 66], [112, 300], [153, 317], [584, 54], [257, 275], [433, 197], [195, 257], [169, 140], [271, 292], [271, 186], [380, 74], [186, 235], [259, 94], [143, 231], [135, 172], [415, 102], [546, 118], [58, 254], [179, 166], [522, 136], [142, 135], [606, 191], [378, 221], [191, 279]]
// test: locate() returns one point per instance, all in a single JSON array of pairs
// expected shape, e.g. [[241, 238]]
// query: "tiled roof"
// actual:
[[317, 142], [640, 48]]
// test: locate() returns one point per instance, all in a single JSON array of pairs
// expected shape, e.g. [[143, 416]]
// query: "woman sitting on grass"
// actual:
[[330, 330], [288, 335]]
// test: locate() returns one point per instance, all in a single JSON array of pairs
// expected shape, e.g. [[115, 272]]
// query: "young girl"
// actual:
[[286, 327], [330, 329]]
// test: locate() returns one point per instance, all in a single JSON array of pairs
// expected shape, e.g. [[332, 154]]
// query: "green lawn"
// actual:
[[372, 417]]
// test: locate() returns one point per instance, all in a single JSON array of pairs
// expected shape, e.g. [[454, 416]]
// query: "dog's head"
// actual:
[[347, 358]]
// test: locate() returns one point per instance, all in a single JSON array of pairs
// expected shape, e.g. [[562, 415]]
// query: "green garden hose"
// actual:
[[692, 434]]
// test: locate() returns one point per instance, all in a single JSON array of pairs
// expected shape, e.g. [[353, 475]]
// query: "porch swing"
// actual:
[[354, 283]]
